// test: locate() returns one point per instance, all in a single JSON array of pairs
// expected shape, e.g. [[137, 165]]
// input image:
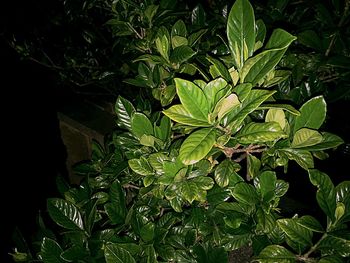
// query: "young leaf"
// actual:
[[256, 68], [212, 89], [179, 114], [141, 125], [329, 140], [116, 254], [141, 166], [197, 146], [65, 214], [276, 115], [219, 69], [51, 251], [260, 132], [181, 54], [225, 105], [312, 114], [241, 32], [306, 137], [192, 99]]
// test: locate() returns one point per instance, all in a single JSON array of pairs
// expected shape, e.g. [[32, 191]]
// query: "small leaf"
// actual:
[[197, 146], [141, 166], [245, 193], [302, 157], [225, 105], [211, 91], [65, 214], [310, 223], [260, 132], [312, 114], [253, 166], [219, 69], [223, 173], [141, 125], [178, 41], [179, 29], [192, 99], [329, 141], [181, 54], [116, 254], [51, 251], [267, 185], [276, 253], [306, 137], [276, 115]]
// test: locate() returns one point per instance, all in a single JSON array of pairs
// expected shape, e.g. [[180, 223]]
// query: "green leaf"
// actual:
[[141, 125], [163, 45], [256, 68], [197, 146], [196, 36], [163, 131], [325, 195], [241, 31], [281, 188], [306, 137], [260, 132], [203, 182], [331, 259], [260, 34], [245, 193], [189, 191], [51, 251], [150, 12], [329, 141], [147, 232], [243, 90], [310, 223], [276, 115], [276, 253], [223, 173], [65, 214], [253, 166], [156, 160], [282, 106], [179, 114], [267, 184], [116, 208], [181, 54], [236, 117], [75, 253], [141, 166], [335, 243], [211, 91], [192, 99], [178, 41], [219, 69], [225, 105], [297, 233], [116, 254], [198, 16], [302, 157], [179, 29], [312, 114]]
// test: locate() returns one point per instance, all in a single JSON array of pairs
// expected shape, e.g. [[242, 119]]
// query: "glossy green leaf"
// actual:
[[150, 12], [211, 91], [141, 125], [310, 223], [225, 105], [116, 207], [241, 31], [297, 233], [198, 15], [124, 111], [192, 99], [329, 141], [281, 188], [302, 157], [260, 132], [223, 172], [260, 32], [156, 160], [179, 114], [253, 166], [276, 253], [51, 251], [179, 29], [75, 253], [195, 37], [197, 146], [236, 117], [189, 191], [312, 114], [267, 184], [245, 193], [325, 195], [147, 232], [115, 254], [276, 115], [331, 259], [141, 166], [178, 41], [65, 214], [256, 68], [336, 243], [181, 54], [163, 46], [218, 69], [282, 106], [306, 137]]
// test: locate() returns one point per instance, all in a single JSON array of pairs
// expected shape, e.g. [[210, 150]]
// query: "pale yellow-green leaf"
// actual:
[[276, 115], [306, 137], [234, 75], [225, 105]]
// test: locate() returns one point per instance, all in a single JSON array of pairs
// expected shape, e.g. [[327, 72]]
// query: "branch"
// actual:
[[229, 151]]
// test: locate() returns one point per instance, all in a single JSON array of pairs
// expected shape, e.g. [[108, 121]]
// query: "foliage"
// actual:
[[199, 178]]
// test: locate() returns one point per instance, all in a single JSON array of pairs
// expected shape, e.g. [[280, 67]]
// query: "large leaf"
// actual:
[[141, 125], [276, 115], [193, 99], [325, 195], [245, 193], [141, 166], [236, 117], [124, 110], [241, 31], [197, 146], [65, 214], [225, 105], [276, 253], [223, 173], [260, 132], [179, 29], [179, 114], [302, 157], [51, 251], [329, 141], [116, 254], [336, 243], [115, 208], [212, 89], [306, 137], [256, 68], [312, 114], [297, 233], [310, 223]]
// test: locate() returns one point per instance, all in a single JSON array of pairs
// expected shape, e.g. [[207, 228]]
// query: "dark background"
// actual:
[[32, 150]]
